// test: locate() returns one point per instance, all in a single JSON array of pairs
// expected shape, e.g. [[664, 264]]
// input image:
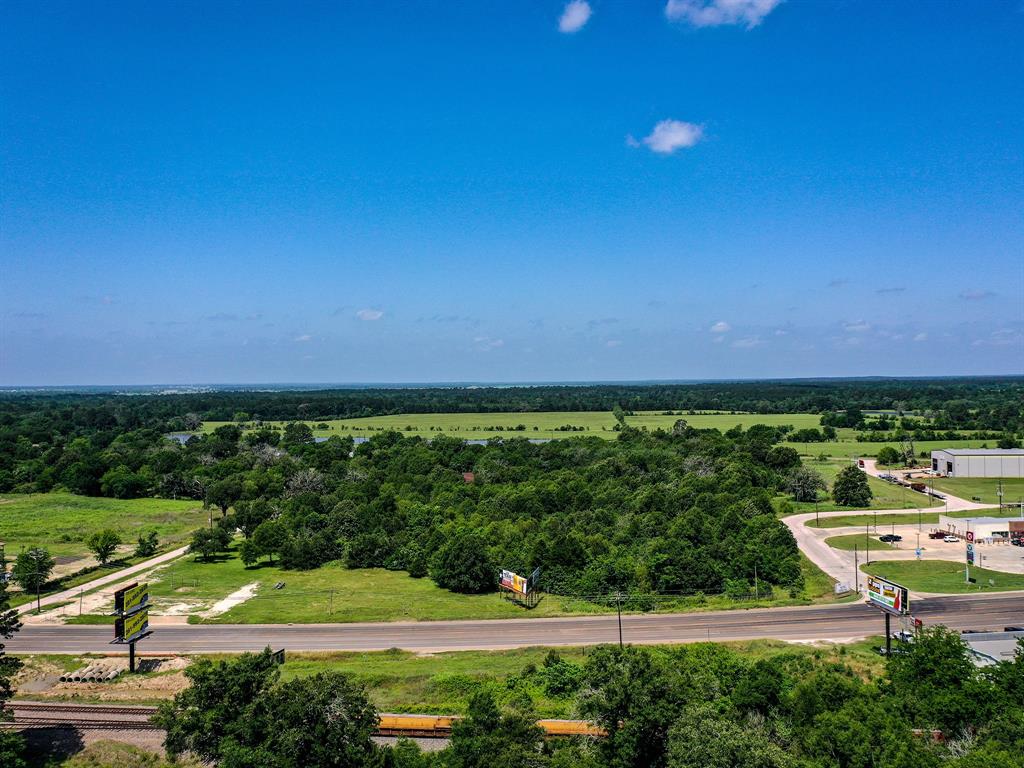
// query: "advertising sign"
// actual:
[[513, 581], [888, 596], [970, 535], [130, 627], [970, 554], [131, 598]]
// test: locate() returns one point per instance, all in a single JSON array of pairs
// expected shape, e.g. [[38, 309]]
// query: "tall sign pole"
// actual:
[[131, 607]]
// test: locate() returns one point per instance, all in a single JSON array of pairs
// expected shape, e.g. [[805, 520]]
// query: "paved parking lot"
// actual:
[[998, 557]]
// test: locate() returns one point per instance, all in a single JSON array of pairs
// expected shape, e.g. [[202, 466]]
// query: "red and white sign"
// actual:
[[970, 535]]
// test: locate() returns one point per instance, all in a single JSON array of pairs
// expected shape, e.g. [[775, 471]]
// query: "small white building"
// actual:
[[982, 527], [979, 462]]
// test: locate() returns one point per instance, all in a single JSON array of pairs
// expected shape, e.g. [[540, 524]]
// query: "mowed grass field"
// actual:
[[942, 576], [483, 426], [546, 426], [334, 593], [985, 488], [851, 541], [62, 522], [910, 518], [885, 495]]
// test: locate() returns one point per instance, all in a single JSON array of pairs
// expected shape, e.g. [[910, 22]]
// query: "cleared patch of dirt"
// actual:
[[237, 597]]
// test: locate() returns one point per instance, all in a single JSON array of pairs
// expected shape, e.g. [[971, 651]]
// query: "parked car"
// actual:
[[937, 535], [950, 539], [890, 537], [860, 462]]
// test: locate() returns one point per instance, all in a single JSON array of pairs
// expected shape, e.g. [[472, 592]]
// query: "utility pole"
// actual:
[[856, 571], [816, 523], [867, 546], [756, 594], [618, 609]]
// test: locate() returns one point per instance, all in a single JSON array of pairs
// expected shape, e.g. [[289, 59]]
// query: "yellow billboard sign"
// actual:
[[514, 582], [134, 598], [130, 627]]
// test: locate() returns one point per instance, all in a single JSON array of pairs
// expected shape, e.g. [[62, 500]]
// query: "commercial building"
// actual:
[[983, 528], [988, 648], [979, 462]]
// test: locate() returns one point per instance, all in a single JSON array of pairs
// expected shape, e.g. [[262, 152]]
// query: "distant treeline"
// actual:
[[992, 403]]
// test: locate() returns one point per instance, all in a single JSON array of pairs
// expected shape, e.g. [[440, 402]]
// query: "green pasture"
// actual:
[[847, 447], [334, 593], [482, 426], [885, 495], [942, 576], [62, 522], [849, 542], [983, 487]]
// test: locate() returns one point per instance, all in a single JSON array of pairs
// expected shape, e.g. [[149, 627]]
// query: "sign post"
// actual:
[[131, 607], [524, 591], [892, 599]]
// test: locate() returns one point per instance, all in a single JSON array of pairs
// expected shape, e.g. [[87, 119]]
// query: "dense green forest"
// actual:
[[646, 513], [995, 403], [662, 512]]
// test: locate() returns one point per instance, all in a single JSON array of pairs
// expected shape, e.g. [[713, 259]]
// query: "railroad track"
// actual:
[[23, 722], [96, 709], [137, 718]]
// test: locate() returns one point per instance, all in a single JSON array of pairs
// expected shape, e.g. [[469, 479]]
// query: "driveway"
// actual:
[[839, 564]]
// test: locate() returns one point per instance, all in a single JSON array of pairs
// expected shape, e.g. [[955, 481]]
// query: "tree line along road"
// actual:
[[836, 623]]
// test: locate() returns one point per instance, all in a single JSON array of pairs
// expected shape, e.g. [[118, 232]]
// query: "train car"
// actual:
[[440, 727]]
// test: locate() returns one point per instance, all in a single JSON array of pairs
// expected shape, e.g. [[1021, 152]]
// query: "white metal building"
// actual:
[[979, 462], [983, 528]]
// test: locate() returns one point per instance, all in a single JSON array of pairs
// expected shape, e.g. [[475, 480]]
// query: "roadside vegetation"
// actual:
[[664, 707]]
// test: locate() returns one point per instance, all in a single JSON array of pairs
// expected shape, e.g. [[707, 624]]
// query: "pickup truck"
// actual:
[[937, 535]]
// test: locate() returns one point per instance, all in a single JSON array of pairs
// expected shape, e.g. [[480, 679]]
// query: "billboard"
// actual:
[[131, 598], [888, 596], [970, 554], [513, 582], [130, 627]]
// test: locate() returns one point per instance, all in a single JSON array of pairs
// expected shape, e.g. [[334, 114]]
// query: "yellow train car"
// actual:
[[440, 726], [570, 728]]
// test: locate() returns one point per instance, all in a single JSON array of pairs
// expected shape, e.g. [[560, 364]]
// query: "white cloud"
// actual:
[[747, 343], [670, 135], [303, 338], [857, 326], [721, 327], [369, 314], [715, 13], [921, 336], [575, 16], [486, 343]]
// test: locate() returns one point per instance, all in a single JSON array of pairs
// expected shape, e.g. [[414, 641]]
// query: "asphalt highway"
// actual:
[[837, 622]]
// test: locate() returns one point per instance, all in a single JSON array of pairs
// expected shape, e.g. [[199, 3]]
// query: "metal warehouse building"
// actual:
[[979, 462]]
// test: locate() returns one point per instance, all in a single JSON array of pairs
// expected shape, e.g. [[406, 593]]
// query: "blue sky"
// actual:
[[496, 191]]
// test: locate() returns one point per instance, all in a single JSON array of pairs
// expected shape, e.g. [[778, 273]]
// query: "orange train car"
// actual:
[[440, 726]]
